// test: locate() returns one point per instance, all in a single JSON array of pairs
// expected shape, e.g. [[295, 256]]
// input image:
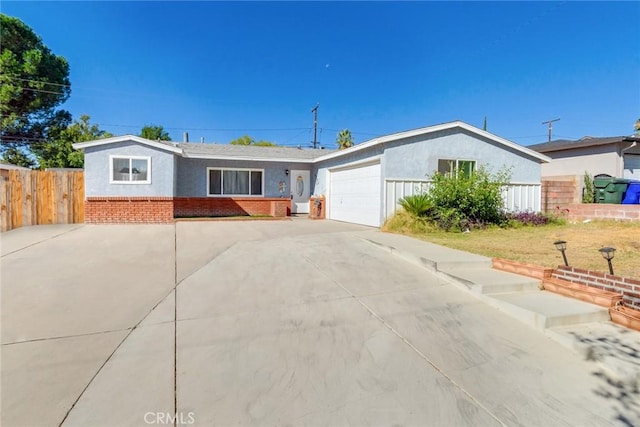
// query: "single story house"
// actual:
[[132, 179], [617, 156]]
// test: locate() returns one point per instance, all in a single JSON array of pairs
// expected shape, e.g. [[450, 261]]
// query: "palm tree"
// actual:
[[636, 127], [344, 139]]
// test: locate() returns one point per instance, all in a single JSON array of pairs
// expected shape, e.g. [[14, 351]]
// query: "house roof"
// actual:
[[587, 141], [289, 154], [249, 152], [11, 166], [437, 128], [216, 151], [162, 145]]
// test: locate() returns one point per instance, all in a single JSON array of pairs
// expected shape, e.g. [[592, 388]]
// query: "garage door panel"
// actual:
[[355, 195]]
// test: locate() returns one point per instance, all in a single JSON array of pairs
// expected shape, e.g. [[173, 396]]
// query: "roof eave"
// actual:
[[246, 158], [125, 138]]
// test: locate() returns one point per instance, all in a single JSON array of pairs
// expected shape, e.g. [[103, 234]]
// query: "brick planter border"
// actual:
[[630, 288], [626, 317], [582, 292], [530, 270]]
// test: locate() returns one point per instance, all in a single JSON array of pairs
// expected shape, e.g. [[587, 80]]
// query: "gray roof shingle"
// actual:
[[565, 144], [251, 152]]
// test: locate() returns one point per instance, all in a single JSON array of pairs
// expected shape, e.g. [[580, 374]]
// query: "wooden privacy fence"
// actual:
[[40, 197]]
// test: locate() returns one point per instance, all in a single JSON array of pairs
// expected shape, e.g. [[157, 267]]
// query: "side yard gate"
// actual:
[[40, 197]]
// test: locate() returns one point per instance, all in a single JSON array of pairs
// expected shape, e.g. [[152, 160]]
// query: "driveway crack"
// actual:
[[65, 336], [41, 241]]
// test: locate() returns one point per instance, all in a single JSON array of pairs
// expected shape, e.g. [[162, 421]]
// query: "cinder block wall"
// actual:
[[582, 211], [563, 195], [560, 191]]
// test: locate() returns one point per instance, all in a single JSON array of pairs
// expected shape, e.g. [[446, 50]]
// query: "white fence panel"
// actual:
[[517, 197]]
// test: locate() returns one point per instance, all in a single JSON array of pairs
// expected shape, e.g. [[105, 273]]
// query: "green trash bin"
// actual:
[[601, 183], [615, 191], [610, 190]]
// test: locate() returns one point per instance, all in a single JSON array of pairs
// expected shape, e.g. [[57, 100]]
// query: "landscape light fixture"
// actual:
[[608, 253], [561, 245]]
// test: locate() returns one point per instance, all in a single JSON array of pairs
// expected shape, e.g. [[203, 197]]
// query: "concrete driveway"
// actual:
[[266, 323]]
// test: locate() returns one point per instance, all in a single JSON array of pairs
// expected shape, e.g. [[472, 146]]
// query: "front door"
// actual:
[[300, 191]]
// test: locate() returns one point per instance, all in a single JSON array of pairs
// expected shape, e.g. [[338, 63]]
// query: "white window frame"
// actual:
[[222, 182], [457, 164], [130, 182]]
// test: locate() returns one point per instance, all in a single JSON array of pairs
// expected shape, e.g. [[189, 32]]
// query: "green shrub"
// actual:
[[589, 191], [418, 204], [467, 201]]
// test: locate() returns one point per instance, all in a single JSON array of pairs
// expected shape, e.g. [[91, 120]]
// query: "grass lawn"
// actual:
[[534, 245]]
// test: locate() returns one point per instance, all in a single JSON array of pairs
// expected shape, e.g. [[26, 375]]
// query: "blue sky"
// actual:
[[220, 70]]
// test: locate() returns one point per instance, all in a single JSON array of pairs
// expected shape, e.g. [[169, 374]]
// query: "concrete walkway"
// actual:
[[286, 323], [581, 326]]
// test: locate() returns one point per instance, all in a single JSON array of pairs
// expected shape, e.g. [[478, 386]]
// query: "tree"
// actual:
[[636, 128], [262, 143], [155, 133], [247, 140], [59, 153], [344, 139], [243, 140], [33, 82], [16, 156]]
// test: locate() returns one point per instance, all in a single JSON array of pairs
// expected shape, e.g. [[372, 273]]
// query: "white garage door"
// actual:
[[355, 194]]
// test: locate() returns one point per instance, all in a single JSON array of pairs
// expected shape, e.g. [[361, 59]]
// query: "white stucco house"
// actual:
[[617, 156], [132, 179]]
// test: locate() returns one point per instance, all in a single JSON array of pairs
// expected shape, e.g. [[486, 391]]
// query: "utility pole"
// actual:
[[549, 123], [314, 110]]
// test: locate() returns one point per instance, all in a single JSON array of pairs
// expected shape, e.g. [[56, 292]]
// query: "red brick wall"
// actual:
[[630, 288], [147, 210], [120, 210], [280, 207], [229, 206]]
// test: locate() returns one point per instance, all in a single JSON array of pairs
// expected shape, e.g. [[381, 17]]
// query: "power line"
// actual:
[[42, 91], [34, 81], [10, 138]]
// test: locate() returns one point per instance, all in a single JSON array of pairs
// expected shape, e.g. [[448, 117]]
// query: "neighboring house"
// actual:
[[131, 179], [6, 167], [617, 156], [11, 166]]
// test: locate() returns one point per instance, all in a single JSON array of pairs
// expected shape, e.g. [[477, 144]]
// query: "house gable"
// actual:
[[161, 145], [99, 170], [418, 157], [421, 133]]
